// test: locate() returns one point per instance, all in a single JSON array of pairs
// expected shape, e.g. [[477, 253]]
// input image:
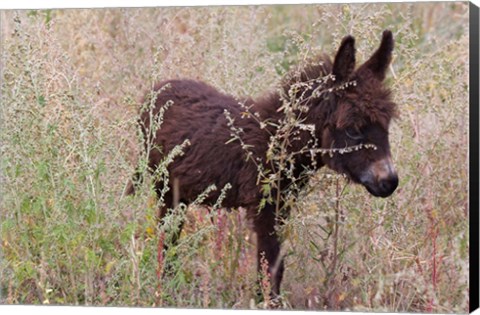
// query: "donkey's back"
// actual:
[[198, 112]]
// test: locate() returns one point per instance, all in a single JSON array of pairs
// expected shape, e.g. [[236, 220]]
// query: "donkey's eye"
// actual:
[[354, 134]]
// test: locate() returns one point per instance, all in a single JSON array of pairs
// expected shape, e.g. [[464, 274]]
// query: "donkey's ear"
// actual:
[[381, 59], [344, 59]]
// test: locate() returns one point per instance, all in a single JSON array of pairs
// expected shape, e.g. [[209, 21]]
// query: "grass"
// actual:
[[71, 86]]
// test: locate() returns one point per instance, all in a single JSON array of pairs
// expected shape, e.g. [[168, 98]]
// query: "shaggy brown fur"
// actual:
[[343, 115]]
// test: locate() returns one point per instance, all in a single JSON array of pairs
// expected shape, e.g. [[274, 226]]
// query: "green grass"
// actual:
[[71, 86]]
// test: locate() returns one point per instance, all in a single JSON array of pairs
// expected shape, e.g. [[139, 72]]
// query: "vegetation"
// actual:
[[71, 88]]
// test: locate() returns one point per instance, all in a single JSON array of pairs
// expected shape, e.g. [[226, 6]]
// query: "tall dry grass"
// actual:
[[71, 85]]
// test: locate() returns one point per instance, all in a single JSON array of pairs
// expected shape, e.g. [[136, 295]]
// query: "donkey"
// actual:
[[349, 109]]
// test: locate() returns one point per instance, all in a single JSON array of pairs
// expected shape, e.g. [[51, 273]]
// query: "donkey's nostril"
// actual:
[[389, 184]]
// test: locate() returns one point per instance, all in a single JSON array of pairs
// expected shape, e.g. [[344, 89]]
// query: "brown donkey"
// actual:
[[349, 112]]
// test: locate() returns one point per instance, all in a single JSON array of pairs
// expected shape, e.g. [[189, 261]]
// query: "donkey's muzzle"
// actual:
[[388, 186], [384, 187], [381, 180]]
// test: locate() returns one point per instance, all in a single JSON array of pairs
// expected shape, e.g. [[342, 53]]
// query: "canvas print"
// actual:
[[302, 157]]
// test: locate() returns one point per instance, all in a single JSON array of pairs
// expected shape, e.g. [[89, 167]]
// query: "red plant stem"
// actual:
[[434, 235], [434, 262]]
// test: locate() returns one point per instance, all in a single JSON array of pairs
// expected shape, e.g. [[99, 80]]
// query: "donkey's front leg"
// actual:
[[172, 228], [268, 248]]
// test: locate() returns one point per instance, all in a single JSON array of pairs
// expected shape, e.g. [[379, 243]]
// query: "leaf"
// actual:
[[231, 140], [109, 266], [41, 101], [150, 231], [266, 189]]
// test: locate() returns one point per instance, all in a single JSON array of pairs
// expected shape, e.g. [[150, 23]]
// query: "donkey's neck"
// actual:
[[298, 110], [299, 130]]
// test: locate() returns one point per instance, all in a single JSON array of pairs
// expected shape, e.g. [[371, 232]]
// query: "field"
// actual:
[[71, 88]]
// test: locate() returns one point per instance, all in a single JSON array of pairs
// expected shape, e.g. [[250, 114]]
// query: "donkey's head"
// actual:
[[361, 116]]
